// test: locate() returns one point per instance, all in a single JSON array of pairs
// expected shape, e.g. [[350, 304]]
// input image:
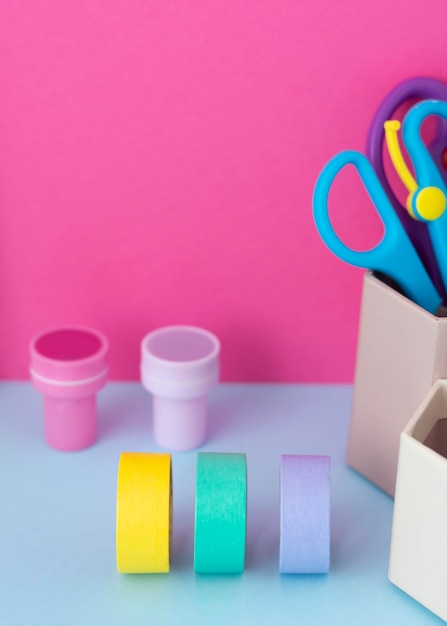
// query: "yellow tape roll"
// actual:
[[143, 513]]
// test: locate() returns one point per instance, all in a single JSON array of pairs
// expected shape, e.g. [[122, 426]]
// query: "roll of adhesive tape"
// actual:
[[221, 513], [143, 513], [305, 515]]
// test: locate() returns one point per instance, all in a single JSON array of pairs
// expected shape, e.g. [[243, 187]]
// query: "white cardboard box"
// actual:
[[418, 557]]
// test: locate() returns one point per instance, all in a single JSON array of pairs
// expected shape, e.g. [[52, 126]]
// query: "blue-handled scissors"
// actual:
[[418, 88], [427, 200], [394, 255]]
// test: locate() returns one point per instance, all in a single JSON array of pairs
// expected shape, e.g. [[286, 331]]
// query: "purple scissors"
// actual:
[[421, 89]]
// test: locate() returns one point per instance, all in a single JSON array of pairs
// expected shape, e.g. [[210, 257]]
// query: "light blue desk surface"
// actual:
[[57, 540]]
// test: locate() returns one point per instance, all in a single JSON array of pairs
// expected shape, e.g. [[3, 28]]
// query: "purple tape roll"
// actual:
[[305, 515]]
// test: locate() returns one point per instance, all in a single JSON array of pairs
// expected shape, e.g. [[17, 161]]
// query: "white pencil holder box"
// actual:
[[418, 557], [402, 351]]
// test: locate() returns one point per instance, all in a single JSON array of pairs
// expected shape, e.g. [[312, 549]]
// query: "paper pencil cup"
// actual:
[[179, 366], [69, 366], [401, 352]]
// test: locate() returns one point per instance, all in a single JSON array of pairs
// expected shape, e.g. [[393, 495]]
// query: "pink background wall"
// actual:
[[157, 163]]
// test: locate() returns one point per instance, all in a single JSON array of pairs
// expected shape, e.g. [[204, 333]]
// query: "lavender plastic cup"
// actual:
[[179, 366], [69, 366]]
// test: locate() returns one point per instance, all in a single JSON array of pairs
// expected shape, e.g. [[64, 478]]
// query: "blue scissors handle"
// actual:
[[427, 173], [394, 255], [420, 88]]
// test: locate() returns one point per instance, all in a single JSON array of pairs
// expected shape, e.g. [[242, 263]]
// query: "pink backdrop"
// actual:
[[157, 163]]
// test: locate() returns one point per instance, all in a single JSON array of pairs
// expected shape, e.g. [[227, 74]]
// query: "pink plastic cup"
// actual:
[[179, 366], [69, 366]]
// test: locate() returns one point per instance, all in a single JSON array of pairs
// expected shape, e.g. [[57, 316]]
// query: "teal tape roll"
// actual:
[[221, 513]]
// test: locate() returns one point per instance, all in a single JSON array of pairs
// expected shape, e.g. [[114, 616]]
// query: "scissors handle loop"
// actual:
[[427, 173], [372, 185], [423, 203], [394, 255]]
